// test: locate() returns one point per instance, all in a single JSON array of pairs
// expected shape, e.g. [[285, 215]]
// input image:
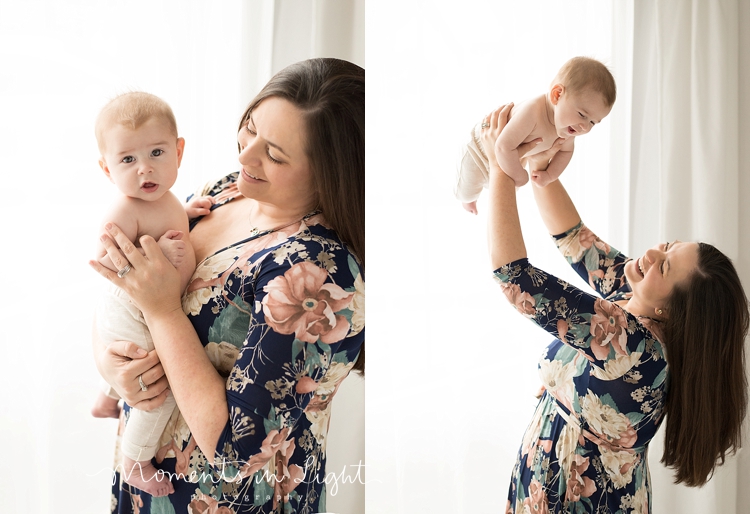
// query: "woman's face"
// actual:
[[653, 276], [275, 169]]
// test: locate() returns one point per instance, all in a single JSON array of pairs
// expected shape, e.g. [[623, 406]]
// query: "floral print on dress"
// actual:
[[281, 316], [604, 378]]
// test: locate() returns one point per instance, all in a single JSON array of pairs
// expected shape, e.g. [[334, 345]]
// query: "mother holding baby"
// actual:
[[660, 341], [273, 318]]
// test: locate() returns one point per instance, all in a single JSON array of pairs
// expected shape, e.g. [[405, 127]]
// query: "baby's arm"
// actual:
[[513, 135], [556, 166], [199, 206], [178, 250], [123, 217]]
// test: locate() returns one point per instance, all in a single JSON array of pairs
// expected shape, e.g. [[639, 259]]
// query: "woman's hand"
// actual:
[[492, 125], [152, 283], [496, 122], [121, 363]]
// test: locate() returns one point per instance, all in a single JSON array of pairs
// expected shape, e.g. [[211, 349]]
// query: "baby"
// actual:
[[581, 95], [140, 154]]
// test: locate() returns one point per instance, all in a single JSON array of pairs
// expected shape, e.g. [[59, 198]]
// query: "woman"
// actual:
[[278, 288], [666, 340]]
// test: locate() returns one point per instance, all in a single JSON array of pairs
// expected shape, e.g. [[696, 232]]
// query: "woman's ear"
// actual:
[[555, 93]]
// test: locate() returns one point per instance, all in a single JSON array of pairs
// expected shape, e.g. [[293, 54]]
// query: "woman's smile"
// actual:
[[250, 178]]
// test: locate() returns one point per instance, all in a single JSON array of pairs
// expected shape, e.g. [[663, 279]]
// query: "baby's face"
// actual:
[[142, 163], [576, 114]]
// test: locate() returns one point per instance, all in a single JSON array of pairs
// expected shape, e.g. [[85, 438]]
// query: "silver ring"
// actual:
[[144, 387], [485, 124], [124, 271]]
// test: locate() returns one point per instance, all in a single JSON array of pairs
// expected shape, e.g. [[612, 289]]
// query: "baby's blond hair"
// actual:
[[133, 110], [583, 74]]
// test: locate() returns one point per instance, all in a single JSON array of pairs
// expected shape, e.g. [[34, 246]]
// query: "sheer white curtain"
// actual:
[[59, 63], [686, 180], [455, 367]]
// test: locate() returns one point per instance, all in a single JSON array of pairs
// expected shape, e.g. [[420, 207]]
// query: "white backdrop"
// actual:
[[59, 63], [453, 390]]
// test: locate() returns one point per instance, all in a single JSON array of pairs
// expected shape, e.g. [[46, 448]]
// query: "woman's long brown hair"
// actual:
[[331, 95], [704, 336]]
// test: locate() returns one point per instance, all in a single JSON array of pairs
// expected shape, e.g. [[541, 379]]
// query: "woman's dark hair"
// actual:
[[331, 95], [704, 336]]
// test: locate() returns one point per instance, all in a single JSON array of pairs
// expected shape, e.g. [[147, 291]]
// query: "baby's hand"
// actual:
[[173, 247], [541, 178], [538, 163], [199, 206]]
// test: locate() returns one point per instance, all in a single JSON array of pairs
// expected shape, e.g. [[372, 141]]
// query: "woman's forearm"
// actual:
[[505, 237], [556, 208], [198, 388]]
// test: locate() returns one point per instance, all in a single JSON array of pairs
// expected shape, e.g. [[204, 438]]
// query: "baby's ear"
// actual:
[[105, 169], [555, 93]]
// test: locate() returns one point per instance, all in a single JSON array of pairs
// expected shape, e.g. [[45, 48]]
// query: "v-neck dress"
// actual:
[[281, 315], [605, 380]]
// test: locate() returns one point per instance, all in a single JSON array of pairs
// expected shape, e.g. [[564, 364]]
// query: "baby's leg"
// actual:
[[105, 407], [471, 207], [146, 477], [472, 173], [139, 444]]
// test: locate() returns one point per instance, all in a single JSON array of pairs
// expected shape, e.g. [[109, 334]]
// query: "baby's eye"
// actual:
[[128, 159], [157, 152], [581, 115]]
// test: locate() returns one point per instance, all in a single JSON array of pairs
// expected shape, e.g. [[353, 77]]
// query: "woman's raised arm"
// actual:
[[504, 227], [555, 206]]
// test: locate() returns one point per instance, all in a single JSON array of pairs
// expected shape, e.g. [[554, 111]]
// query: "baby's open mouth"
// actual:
[[149, 186]]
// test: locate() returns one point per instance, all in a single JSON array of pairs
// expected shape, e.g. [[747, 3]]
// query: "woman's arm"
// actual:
[[504, 227], [154, 285], [556, 208]]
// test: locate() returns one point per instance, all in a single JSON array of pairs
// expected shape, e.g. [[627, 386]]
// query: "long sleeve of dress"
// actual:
[[600, 329], [594, 260]]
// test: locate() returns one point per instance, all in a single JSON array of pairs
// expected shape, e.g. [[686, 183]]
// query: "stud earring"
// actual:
[[659, 312]]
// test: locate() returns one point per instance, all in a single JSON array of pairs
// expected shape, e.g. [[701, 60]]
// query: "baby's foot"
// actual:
[[105, 407], [146, 477], [471, 206]]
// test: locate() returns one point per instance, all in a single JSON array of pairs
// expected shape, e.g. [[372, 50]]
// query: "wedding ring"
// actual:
[[485, 124], [144, 387], [124, 271]]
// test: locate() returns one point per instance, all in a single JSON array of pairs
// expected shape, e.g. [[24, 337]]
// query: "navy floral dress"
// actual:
[[604, 378], [281, 316]]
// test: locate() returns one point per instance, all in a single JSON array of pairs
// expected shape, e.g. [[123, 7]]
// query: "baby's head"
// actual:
[[582, 94], [140, 150]]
